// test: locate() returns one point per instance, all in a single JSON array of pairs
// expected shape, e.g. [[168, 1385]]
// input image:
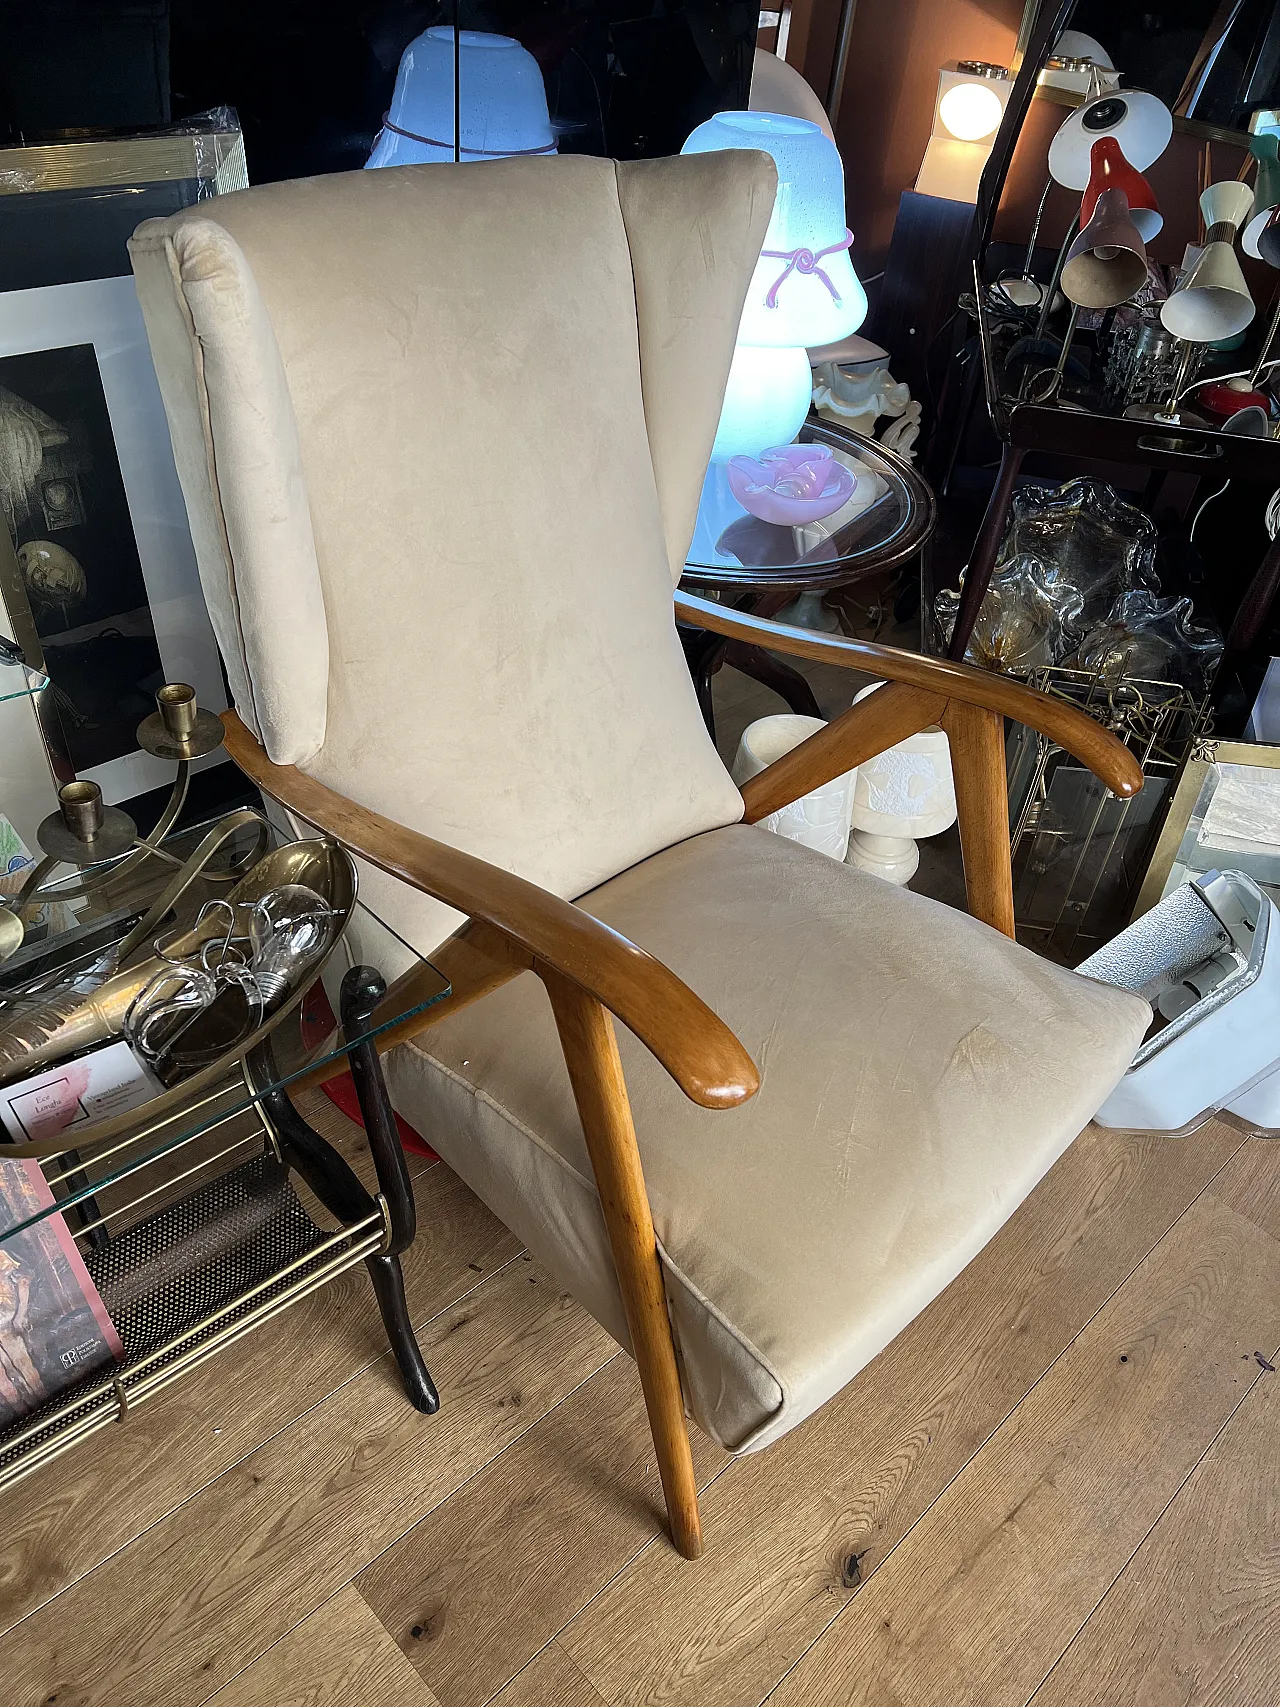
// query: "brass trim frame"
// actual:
[[1203, 757], [216, 156]]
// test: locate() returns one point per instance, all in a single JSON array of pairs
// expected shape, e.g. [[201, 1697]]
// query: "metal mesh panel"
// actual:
[[170, 1272]]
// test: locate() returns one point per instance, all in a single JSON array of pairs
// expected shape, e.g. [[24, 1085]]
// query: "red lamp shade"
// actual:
[[1109, 170]]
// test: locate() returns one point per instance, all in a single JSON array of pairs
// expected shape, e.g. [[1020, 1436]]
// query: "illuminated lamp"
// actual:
[[804, 290], [970, 103], [503, 102]]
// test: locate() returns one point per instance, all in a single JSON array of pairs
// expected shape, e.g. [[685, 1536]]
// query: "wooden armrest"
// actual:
[[887, 717], [970, 704], [692, 1043]]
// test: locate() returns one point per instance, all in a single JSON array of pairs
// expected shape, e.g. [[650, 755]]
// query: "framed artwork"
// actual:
[[97, 571], [1224, 816]]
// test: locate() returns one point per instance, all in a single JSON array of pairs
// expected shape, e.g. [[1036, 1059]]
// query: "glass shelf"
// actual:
[[119, 1156], [888, 519], [140, 1237], [18, 680]]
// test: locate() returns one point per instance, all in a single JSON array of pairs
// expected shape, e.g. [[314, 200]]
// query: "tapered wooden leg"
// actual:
[[982, 807], [595, 1070]]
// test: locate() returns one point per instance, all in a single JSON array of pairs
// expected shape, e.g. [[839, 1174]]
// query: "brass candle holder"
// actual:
[[178, 729], [86, 833]]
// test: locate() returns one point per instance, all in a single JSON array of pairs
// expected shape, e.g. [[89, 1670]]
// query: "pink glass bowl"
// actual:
[[791, 484]]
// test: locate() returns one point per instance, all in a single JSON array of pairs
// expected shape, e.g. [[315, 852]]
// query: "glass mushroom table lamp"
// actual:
[[804, 292], [502, 102]]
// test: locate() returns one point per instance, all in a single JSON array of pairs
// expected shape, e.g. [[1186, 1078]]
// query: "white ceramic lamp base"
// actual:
[[895, 858], [899, 797], [819, 820]]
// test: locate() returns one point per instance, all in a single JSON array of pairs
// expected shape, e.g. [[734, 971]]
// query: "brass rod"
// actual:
[[106, 1396], [145, 1132], [169, 1180]]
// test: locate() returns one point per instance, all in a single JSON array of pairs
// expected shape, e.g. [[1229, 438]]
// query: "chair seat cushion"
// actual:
[[919, 1074]]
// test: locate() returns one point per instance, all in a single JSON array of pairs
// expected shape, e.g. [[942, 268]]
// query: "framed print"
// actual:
[[97, 570]]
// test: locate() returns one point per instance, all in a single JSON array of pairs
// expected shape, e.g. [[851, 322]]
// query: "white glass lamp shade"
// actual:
[[804, 290], [899, 796], [504, 101], [819, 820], [970, 103], [766, 400], [1140, 123]]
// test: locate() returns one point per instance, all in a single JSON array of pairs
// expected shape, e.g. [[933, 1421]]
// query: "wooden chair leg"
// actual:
[[982, 807], [595, 1071]]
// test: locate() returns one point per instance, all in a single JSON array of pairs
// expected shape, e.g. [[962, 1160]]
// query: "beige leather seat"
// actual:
[[441, 433]]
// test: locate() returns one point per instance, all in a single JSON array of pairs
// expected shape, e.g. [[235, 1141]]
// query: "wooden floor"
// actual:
[[1060, 1484]]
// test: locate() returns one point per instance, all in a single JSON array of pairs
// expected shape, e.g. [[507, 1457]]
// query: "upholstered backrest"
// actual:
[[441, 432]]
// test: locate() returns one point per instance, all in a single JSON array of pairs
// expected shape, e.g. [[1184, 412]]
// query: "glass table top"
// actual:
[[17, 679], [91, 966], [889, 517]]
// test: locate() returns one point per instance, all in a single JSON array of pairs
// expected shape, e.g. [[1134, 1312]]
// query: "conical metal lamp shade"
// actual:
[[1227, 203], [1140, 123], [1109, 170], [1107, 263], [1266, 191], [1269, 240], [1213, 301]]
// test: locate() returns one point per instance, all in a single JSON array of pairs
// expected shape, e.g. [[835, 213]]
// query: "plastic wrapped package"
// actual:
[[67, 209]]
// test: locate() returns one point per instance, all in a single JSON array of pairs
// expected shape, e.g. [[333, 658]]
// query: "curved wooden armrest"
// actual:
[[936, 681], [694, 1045], [970, 705]]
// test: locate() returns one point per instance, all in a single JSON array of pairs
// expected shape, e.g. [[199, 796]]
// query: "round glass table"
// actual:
[[758, 566]]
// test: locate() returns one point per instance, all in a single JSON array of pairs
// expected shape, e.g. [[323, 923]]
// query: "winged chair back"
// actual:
[[441, 434]]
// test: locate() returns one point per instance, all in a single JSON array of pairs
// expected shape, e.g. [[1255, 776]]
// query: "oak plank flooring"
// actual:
[[260, 1548], [1252, 1184], [822, 1508], [1193, 1621], [550, 1680], [535, 1524], [338, 1657], [476, 1588], [978, 1601], [67, 1517]]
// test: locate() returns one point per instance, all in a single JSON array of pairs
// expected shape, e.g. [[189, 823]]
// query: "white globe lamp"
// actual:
[[803, 292]]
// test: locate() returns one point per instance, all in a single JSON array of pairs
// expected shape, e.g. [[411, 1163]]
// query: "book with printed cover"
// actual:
[[54, 1327]]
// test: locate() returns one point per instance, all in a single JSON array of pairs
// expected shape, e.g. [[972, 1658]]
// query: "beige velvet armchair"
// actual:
[[441, 433]]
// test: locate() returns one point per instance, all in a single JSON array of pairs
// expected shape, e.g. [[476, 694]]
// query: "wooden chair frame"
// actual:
[[591, 973]]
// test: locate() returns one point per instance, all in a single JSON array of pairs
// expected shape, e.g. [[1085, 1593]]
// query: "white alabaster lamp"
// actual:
[[804, 290], [899, 797], [503, 102], [818, 820]]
